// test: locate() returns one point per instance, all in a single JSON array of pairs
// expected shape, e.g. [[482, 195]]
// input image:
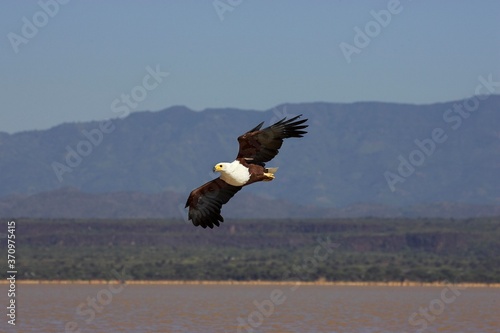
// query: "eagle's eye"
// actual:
[[220, 165]]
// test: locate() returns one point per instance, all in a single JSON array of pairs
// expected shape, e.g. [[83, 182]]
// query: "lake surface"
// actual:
[[251, 308]]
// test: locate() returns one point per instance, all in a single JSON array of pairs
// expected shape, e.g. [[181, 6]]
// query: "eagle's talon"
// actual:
[[269, 176]]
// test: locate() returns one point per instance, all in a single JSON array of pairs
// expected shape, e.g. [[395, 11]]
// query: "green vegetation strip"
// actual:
[[369, 249]]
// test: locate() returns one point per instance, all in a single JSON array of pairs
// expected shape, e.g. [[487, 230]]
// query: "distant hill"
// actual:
[[72, 203], [366, 154]]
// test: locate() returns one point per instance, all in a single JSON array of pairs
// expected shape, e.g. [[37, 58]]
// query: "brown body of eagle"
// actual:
[[256, 148]]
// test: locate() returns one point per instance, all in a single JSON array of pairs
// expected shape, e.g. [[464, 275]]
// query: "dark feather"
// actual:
[[260, 146], [206, 201]]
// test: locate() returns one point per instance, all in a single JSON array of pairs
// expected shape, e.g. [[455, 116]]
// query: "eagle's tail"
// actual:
[[271, 170]]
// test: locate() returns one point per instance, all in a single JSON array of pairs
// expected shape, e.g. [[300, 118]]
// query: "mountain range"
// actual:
[[365, 158]]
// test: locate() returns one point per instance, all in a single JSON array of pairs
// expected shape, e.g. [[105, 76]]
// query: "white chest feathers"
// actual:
[[235, 174]]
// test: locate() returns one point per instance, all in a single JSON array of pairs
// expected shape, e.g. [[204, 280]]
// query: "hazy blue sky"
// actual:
[[254, 55]]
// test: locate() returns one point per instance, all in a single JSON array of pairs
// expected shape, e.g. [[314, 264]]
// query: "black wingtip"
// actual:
[[292, 128], [256, 128], [207, 223]]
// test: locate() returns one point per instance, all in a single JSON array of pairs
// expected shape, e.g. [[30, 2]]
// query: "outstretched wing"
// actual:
[[260, 146], [206, 201]]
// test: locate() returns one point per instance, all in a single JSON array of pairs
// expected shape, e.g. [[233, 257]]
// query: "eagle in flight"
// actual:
[[256, 148]]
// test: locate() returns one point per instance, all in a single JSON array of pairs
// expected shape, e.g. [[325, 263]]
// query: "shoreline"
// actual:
[[261, 283]]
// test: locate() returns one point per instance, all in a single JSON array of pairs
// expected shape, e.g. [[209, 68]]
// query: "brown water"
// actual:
[[251, 308]]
